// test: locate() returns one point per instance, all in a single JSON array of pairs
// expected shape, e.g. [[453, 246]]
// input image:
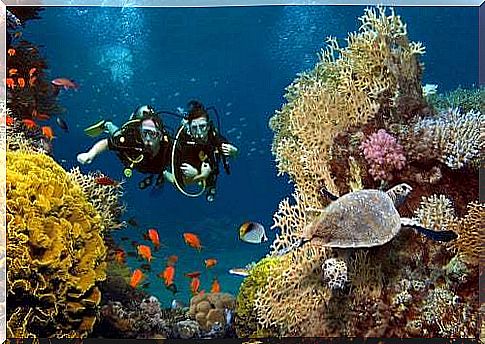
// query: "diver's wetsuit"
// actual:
[[128, 145], [190, 152]]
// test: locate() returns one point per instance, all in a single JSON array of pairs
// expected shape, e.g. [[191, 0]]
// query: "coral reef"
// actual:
[[361, 119], [209, 309], [383, 154], [105, 198], [56, 253]]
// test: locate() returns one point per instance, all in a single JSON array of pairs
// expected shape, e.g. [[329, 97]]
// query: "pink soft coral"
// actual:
[[384, 155]]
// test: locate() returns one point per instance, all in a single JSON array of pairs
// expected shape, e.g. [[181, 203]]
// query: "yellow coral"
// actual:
[[470, 233], [55, 250], [347, 87]]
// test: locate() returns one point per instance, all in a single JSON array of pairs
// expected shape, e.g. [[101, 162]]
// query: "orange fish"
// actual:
[[10, 82], [21, 82], [195, 282], [48, 132], [136, 278], [192, 240], [153, 236], [11, 52], [120, 256], [32, 71], [105, 180], [172, 260], [12, 71], [40, 116], [9, 120], [66, 83], [216, 287], [29, 123], [194, 274], [145, 252], [210, 262], [168, 275]]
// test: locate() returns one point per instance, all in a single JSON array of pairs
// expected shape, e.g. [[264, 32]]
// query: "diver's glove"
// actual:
[[205, 170], [85, 158], [228, 149], [188, 170]]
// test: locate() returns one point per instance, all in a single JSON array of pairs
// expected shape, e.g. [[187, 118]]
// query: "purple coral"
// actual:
[[384, 155]]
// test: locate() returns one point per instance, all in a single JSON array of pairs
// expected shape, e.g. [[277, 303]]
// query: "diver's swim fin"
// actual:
[[96, 129]]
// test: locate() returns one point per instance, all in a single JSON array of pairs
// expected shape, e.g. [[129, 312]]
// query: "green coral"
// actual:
[[246, 317], [463, 98], [56, 254]]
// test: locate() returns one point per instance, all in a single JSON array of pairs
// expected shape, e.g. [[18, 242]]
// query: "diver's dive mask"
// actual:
[[199, 128], [150, 136]]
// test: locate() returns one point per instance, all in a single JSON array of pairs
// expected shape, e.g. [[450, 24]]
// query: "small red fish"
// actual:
[[66, 83], [209, 263], [172, 260], [153, 236], [9, 120], [120, 256], [136, 278], [12, 71], [145, 252], [11, 52], [216, 287], [105, 180], [10, 82], [192, 240], [21, 82], [29, 123], [195, 274], [48, 132], [168, 275]]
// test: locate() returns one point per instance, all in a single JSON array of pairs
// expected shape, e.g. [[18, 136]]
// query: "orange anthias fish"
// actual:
[[120, 256], [11, 52], [21, 82], [48, 132], [136, 278], [172, 260], [105, 180], [195, 282], [210, 262], [216, 287], [9, 120], [10, 82], [168, 275], [145, 252], [192, 240], [12, 71], [153, 236], [29, 123]]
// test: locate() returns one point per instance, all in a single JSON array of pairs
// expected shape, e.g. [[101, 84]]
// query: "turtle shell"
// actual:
[[362, 218]]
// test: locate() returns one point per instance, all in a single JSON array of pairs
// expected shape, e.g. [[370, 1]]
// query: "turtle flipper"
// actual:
[[328, 194], [435, 235]]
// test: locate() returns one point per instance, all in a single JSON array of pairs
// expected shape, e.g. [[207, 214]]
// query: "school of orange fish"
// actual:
[[168, 273]]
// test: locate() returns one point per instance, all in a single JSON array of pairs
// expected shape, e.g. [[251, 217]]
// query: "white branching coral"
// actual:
[[457, 136], [435, 212]]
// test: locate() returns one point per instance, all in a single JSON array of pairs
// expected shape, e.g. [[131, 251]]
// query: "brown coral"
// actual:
[[55, 251], [209, 308]]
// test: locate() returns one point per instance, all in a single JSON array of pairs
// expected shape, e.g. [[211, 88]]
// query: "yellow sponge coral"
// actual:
[[55, 250]]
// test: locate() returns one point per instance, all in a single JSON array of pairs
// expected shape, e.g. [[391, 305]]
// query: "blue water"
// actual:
[[237, 59]]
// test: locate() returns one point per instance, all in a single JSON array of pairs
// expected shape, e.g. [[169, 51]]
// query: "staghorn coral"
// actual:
[[457, 136], [384, 155], [55, 251], [435, 212], [105, 198], [375, 77]]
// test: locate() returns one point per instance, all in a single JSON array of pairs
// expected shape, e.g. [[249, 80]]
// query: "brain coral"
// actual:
[[55, 251]]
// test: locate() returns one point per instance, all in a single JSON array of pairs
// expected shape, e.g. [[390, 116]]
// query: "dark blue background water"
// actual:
[[237, 59]]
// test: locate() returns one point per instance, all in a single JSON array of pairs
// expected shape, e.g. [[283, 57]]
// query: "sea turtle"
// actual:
[[364, 218]]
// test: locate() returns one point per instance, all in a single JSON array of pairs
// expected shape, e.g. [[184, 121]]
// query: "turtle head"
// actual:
[[399, 193]]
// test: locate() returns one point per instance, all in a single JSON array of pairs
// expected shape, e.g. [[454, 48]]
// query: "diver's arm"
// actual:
[[205, 170], [96, 149]]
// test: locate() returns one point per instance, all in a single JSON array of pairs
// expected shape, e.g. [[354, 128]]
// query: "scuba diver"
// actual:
[[198, 149], [141, 144]]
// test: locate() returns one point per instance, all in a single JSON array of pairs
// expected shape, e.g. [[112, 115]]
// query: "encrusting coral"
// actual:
[[55, 251], [210, 308]]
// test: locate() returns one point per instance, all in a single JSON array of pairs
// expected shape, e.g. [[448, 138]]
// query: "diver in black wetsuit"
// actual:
[[199, 149], [141, 144]]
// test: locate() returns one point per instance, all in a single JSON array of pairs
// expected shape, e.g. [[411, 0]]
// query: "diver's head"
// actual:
[[151, 135], [144, 111], [198, 121]]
